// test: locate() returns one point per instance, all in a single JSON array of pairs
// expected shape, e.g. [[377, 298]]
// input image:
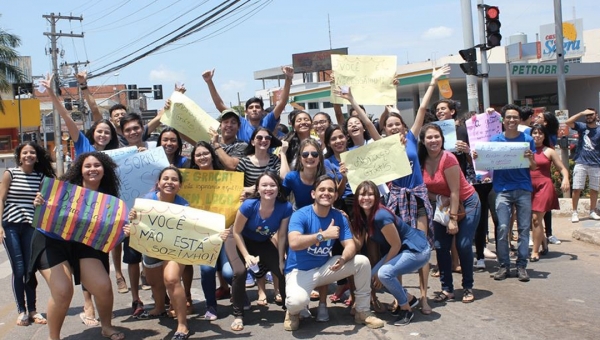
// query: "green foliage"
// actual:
[[8, 55], [557, 179]]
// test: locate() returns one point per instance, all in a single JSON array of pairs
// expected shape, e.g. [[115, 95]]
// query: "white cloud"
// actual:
[[233, 85], [435, 33], [163, 74]]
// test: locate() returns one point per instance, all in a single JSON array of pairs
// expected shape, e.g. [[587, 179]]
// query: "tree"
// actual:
[[8, 57]]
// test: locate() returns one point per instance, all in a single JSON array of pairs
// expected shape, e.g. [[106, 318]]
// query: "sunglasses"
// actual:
[[259, 137], [305, 154]]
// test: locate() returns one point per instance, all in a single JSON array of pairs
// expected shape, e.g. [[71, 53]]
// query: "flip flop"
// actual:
[[115, 336], [262, 302], [122, 286], [237, 325], [468, 296], [38, 319], [23, 320], [314, 295], [90, 322], [443, 297], [278, 299]]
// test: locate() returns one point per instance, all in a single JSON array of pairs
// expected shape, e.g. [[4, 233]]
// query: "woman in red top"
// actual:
[[443, 177]]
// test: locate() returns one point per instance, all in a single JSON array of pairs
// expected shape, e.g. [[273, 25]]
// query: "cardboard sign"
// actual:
[[501, 155], [188, 118], [370, 78], [449, 131]]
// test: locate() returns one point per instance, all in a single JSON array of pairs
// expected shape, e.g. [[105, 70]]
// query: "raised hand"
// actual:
[[442, 71], [47, 83], [81, 77], [181, 87], [288, 71], [343, 94], [208, 75]]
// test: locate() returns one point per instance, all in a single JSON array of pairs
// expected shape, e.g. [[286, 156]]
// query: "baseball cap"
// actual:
[[228, 113]]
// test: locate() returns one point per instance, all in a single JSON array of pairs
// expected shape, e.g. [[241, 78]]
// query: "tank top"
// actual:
[[18, 207], [543, 163]]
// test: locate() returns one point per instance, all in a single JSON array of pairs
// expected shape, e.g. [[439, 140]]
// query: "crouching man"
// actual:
[[312, 232]]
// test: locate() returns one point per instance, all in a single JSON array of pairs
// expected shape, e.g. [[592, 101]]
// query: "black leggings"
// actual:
[[548, 223], [483, 190]]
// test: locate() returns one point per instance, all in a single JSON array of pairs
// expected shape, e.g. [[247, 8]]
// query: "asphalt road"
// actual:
[[560, 302]]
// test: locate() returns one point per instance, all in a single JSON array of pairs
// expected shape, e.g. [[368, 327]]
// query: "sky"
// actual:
[[263, 35]]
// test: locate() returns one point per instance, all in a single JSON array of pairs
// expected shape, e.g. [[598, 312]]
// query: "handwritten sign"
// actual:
[[139, 173], [501, 155], [370, 78], [77, 214], [176, 233], [483, 126], [213, 190], [188, 118], [449, 131], [380, 162], [117, 154]]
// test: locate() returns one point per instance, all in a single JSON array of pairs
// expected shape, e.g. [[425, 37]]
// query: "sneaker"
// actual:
[[501, 274], [404, 318], [479, 264], [574, 218], [291, 322], [211, 314], [138, 308], [305, 313], [322, 313], [522, 274], [367, 318], [554, 240], [594, 216], [488, 254], [250, 282], [269, 277], [414, 302]]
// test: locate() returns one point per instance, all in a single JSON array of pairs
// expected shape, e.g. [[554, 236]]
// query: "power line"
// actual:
[[114, 9], [125, 18]]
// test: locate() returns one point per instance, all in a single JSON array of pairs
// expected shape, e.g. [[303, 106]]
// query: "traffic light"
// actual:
[[132, 92], [470, 67], [492, 26], [157, 90], [68, 104]]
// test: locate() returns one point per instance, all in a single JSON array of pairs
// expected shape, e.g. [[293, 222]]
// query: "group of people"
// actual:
[[299, 218]]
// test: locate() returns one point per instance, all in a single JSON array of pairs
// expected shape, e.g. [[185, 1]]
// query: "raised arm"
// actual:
[[571, 121], [360, 112], [62, 111], [216, 98], [89, 99], [420, 118], [288, 71]]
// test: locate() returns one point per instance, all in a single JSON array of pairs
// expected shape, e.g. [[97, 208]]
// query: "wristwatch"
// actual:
[[320, 237]]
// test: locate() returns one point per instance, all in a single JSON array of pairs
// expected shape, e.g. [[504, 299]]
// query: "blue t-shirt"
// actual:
[[246, 129], [153, 195], [588, 146], [83, 145], [332, 167], [513, 179], [412, 239], [307, 222], [293, 183], [416, 178], [259, 229]]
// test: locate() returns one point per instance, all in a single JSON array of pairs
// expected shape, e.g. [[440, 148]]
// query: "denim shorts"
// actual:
[[130, 255], [151, 262]]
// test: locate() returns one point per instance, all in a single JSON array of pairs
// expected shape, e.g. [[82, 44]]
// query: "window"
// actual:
[[327, 105], [313, 106]]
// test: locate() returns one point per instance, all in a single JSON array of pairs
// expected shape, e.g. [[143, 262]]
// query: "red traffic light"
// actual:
[[492, 12]]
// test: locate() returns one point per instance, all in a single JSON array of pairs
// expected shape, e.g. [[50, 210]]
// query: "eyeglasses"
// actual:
[[260, 137], [305, 154], [512, 117], [320, 122]]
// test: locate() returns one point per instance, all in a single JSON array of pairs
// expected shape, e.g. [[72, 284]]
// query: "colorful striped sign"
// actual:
[[81, 215]]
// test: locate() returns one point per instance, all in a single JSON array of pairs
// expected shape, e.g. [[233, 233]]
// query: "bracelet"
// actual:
[[83, 88], [431, 84], [83, 84], [217, 147]]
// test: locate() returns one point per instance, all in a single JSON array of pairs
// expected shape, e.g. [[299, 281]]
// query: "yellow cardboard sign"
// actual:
[[188, 118], [213, 190], [380, 162], [370, 78], [176, 233]]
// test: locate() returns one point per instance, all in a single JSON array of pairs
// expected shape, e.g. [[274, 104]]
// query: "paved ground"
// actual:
[[560, 302]]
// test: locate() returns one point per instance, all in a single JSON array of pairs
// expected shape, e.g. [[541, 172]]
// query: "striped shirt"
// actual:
[[18, 207], [252, 172]]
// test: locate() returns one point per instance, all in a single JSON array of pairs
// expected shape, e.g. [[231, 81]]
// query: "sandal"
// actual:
[[443, 297], [278, 299], [468, 296], [435, 273], [457, 270], [237, 325], [314, 295], [262, 302], [534, 258], [23, 320], [337, 297], [37, 319], [349, 301], [377, 306], [146, 315], [122, 285], [114, 336], [90, 322], [180, 336], [544, 250]]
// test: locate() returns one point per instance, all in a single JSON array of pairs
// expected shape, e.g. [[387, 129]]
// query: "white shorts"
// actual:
[[581, 172]]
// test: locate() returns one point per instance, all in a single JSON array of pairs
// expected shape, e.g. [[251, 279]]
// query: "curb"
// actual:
[[590, 235], [566, 207]]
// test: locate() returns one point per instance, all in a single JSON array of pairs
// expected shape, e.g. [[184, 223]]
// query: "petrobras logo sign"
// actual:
[[572, 39]]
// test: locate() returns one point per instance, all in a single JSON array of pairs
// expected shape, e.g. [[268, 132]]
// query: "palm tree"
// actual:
[[8, 58]]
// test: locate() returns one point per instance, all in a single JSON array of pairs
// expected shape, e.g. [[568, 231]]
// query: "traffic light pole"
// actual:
[[485, 68], [469, 42]]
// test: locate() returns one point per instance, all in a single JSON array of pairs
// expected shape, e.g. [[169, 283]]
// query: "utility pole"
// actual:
[[469, 42], [53, 35], [84, 112], [560, 73]]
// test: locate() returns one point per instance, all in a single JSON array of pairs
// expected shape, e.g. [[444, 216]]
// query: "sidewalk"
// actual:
[[586, 230]]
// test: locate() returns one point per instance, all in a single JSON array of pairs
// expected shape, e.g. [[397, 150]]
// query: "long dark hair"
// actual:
[[110, 183], [365, 133], [328, 132], [216, 162], [114, 139], [300, 167], [292, 137], [44, 162], [364, 222], [552, 124], [542, 129], [177, 155], [421, 149], [280, 194], [250, 149]]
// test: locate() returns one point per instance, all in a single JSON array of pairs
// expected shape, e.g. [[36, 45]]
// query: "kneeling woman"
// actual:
[[58, 260], [257, 220], [404, 249]]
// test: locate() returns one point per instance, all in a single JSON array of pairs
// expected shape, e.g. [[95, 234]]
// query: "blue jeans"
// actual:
[[505, 200], [209, 281], [464, 245], [405, 262], [18, 246]]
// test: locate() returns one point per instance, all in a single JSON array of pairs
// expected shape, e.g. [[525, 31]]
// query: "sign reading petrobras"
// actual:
[[572, 39]]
